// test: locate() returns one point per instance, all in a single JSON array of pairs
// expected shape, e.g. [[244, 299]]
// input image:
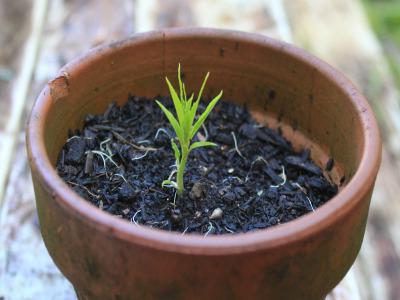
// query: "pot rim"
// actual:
[[269, 238]]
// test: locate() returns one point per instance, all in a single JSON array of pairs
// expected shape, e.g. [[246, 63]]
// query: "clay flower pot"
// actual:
[[108, 258]]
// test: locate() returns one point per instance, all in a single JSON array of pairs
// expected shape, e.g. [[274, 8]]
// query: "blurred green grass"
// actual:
[[384, 16]]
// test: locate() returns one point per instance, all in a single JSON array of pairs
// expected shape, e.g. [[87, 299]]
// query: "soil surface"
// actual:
[[253, 179]]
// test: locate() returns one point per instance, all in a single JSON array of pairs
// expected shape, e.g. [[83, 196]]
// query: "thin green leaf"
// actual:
[[188, 120], [202, 86], [201, 144], [196, 103], [180, 82], [176, 151], [173, 121], [184, 93], [177, 102], [193, 110], [204, 115], [189, 102]]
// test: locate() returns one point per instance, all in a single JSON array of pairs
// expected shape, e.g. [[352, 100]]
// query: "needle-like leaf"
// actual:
[[176, 151], [180, 82], [204, 115], [202, 87], [175, 125], [178, 104], [201, 144]]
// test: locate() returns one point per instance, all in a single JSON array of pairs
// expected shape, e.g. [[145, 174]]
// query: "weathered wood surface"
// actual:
[[38, 37]]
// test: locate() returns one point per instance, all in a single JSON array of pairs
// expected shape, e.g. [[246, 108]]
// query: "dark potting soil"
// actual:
[[253, 179]]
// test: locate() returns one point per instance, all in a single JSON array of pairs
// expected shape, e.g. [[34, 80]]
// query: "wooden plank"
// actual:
[[12, 38], [26, 269], [24, 261], [267, 17], [20, 91], [74, 26], [345, 39]]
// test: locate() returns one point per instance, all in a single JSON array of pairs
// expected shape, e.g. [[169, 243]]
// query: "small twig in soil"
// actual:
[[236, 145], [85, 188], [105, 127], [158, 191], [89, 163], [137, 147]]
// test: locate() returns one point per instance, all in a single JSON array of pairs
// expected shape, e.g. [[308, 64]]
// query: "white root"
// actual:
[[172, 174], [259, 158], [140, 156], [144, 142], [210, 228], [78, 137], [205, 131], [102, 143], [283, 176], [304, 192], [232, 177], [122, 176], [134, 216], [174, 203], [104, 157], [162, 130], [236, 145], [227, 229]]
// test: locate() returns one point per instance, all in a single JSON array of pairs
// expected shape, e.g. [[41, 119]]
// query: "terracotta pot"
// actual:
[[108, 258]]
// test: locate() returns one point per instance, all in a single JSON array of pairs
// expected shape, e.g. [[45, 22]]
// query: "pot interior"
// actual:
[[282, 86]]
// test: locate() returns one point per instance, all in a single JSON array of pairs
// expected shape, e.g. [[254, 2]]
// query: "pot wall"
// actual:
[[103, 266], [269, 80], [107, 258]]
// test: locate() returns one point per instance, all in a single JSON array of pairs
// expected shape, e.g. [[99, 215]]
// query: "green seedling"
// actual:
[[185, 126]]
